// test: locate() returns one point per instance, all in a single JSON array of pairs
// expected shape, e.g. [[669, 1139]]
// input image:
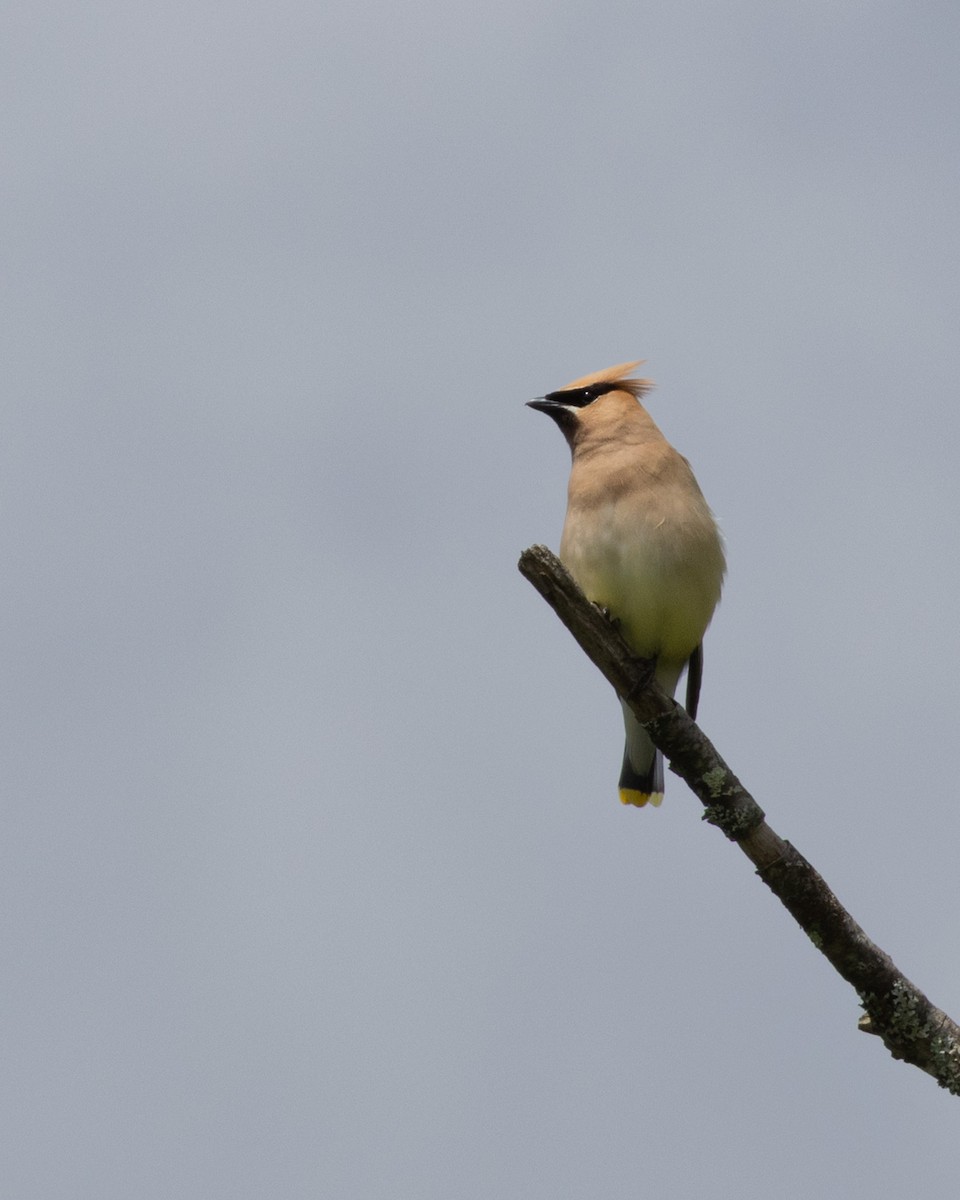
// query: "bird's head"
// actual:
[[593, 401]]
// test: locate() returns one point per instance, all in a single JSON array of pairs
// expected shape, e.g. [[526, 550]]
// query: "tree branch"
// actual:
[[911, 1028]]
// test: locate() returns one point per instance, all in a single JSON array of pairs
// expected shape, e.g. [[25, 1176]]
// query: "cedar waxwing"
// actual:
[[640, 541]]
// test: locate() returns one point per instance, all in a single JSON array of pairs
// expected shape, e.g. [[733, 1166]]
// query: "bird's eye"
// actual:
[[581, 397]]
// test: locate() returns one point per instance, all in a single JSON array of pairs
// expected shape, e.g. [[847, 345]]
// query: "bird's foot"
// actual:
[[614, 621]]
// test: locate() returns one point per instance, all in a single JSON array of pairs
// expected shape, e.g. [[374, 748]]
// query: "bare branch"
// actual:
[[911, 1028]]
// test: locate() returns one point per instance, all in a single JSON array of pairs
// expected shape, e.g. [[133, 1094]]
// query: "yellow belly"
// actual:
[[661, 583]]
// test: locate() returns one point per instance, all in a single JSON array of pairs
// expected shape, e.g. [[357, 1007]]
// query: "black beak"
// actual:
[[543, 404]]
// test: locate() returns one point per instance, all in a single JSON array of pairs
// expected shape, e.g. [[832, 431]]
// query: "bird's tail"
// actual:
[[641, 776], [641, 787]]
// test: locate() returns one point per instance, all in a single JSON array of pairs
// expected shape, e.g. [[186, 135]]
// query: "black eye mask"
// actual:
[[581, 397]]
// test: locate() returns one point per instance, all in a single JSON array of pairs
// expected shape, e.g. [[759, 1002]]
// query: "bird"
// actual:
[[640, 541]]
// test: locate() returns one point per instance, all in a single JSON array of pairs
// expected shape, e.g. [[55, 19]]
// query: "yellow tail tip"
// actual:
[[640, 799]]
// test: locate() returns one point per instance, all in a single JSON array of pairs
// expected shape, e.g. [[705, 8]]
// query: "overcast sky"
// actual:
[[313, 878]]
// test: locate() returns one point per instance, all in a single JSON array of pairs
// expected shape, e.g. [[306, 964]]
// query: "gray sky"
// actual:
[[314, 880]]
